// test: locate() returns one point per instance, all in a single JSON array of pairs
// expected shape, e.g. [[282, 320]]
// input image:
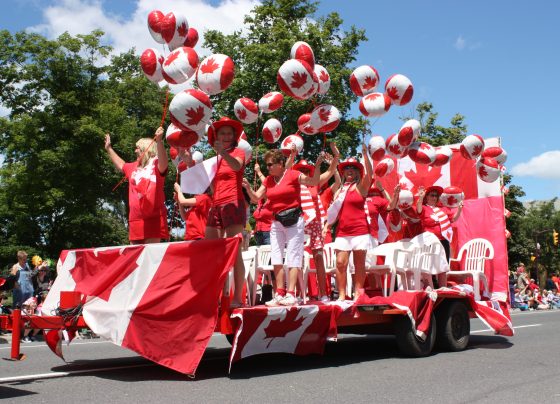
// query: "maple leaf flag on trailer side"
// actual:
[[159, 300]]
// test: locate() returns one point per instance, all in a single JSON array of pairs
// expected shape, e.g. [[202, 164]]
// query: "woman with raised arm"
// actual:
[[352, 233], [147, 218], [282, 188]]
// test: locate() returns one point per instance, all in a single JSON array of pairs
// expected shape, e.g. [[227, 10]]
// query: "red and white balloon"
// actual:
[[364, 80], [375, 105], [215, 74], [151, 62], [406, 199], [443, 156], [409, 132], [384, 167], [399, 89], [323, 78], [302, 51], [191, 109], [305, 126], [180, 65], [155, 22], [325, 118], [174, 30], [197, 157], [247, 149], [472, 147], [376, 148], [452, 197], [178, 137], [246, 110], [394, 148], [421, 153], [497, 153], [272, 130], [286, 145], [270, 102], [192, 38], [295, 78], [488, 169]]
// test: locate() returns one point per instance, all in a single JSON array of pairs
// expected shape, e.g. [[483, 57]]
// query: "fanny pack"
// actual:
[[289, 217]]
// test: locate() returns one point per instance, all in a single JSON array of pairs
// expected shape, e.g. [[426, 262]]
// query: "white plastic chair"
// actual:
[[473, 256], [424, 262], [380, 271], [400, 264], [249, 263], [262, 266]]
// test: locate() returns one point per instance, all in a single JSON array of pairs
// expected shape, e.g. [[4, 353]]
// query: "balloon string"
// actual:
[[257, 135], [164, 114], [324, 141]]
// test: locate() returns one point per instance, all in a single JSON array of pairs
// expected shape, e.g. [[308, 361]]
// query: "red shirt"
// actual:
[[227, 182], [263, 217], [285, 194], [377, 205], [352, 217], [196, 217], [145, 191], [431, 225], [326, 198]]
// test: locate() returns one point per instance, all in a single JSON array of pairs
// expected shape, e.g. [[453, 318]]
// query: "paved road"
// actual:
[[354, 369]]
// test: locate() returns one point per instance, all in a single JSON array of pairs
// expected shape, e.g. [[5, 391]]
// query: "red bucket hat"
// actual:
[[224, 121], [303, 164], [351, 162], [433, 188]]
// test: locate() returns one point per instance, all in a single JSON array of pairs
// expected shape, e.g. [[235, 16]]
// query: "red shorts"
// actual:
[[153, 227], [315, 232], [223, 216]]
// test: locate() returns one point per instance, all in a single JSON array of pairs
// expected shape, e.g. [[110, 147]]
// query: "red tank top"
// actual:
[[352, 218]]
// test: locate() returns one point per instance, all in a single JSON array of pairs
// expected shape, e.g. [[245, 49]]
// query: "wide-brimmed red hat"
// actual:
[[224, 121], [433, 188], [303, 164], [374, 191], [351, 162]]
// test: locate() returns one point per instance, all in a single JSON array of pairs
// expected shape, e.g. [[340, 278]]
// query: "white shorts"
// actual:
[[351, 243], [292, 238]]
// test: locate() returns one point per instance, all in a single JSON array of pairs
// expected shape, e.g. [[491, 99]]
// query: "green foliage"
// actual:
[[56, 180], [265, 43]]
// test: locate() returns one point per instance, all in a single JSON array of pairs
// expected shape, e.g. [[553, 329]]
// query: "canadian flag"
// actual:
[[301, 330], [483, 210], [159, 300]]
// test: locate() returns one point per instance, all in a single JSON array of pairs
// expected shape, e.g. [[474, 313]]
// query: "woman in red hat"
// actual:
[[311, 203], [437, 219], [147, 219], [282, 188], [352, 232], [227, 216]]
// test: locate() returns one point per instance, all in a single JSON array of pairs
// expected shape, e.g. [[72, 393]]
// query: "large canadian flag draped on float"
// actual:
[[483, 210], [159, 300]]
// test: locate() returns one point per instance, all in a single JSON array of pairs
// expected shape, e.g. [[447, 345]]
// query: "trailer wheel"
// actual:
[[411, 345], [453, 326]]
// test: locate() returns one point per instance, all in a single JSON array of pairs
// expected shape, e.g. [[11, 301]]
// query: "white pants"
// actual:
[[291, 237]]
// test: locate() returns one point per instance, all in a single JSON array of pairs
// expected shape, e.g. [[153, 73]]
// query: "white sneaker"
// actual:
[[275, 301], [288, 300], [324, 299]]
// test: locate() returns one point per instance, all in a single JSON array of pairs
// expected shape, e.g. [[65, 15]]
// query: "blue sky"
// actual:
[[496, 62]]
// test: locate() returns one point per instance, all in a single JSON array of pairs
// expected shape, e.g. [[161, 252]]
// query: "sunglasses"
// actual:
[[270, 164], [433, 194]]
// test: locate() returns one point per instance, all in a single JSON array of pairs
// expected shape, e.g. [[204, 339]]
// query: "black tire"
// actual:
[[453, 326], [229, 338], [411, 345]]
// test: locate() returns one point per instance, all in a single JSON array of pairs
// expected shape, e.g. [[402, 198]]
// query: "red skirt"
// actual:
[[153, 227]]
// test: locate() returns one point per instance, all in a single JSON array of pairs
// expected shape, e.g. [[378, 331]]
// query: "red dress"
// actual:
[[196, 217], [227, 182], [147, 217]]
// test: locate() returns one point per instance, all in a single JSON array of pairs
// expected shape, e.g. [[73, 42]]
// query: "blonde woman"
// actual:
[[147, 219]]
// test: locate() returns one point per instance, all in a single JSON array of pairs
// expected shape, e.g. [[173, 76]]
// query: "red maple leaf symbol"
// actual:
[[393, 93], [424, 176], [324, 75], [451, 200], [279, 328], [369, 83], [182, 30], [424, 146], [482, 173], [171, 58], [395, 149], [476, 150], [298, 80], [194, 115], [268, 95], [210, 66], [324, 114], [278, 132], [404, 185], [241, 114]]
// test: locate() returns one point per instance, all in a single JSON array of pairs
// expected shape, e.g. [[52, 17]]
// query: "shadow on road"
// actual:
[[489, 342], [10, 392]]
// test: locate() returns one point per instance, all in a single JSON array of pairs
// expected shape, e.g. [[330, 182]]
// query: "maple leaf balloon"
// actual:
[[443, 156], [191, 109], [272, 130], [246, 110], [364, 80], [497, 153], [192, 38], [150, 62], [295, 78], [323, 79], [375, 105], [270, 102], [286, 145], [488, 169], [325, 118], [399, 89], [155, 20], [472, 146], [215, 74], [302, 51], [180, 65], [452, 197], [409, 132], [174, 30], [304, 125], [376, 148]]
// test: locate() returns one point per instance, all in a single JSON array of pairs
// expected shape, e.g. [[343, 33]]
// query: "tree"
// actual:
[[56, 180], [435, 134], [265, 43]]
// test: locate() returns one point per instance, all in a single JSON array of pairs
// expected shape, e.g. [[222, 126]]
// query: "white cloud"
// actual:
[[463, 43], [124, 32], [4, 111], [544, 165]]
